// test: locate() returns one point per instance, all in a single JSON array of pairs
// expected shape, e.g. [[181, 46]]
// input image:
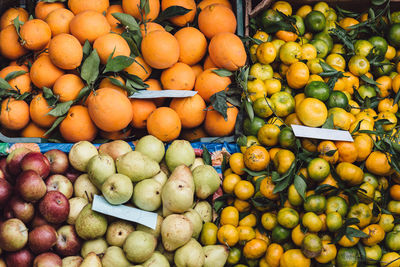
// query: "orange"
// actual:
[[59, 21], [155, 85], [267, 189], [208, 63], [244, 190], [44, 73], [89, 25], [191, 110], [227, 51], [286, 36], [141, 109], [345, 23], [38, 110], [216, 125], [42, 9], [139, 68], [164, 123], [78, 6], [21, 83], [160, 49], [294, 257], [9, 43], [14, 114], [131, 7], [10, 14], [149, 27], [117, 135], [32, 130], [229, 215], [375, 234], [193, 133], [395, 192], [209, 83], [387, 104], [192, 45], [256, 158], [216, 18], [65, 51], [377, 163], [111, 43], [35, 34], [183, 19], [228, 235], [178, 77], [110, 110], [205, 3], [23, 65], [346, 242], [78, 126], [274, 254], [106, 83], [384, 85], [67, 87], [255, 249], [236, 162], [347, 151], [312, 112], [297, 75], [364, 145], [229, 182], [114, 23], [197, 69]]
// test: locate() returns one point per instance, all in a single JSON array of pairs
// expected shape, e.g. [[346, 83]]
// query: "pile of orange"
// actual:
[[47, 51]]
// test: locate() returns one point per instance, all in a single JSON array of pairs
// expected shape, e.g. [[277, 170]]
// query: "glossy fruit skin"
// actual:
[[318, 90], [347, 257], [315, 21], [337, 99]]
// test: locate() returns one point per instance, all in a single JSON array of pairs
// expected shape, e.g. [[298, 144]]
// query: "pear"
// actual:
[[118, 231], [197, 162], [178, 153], [98, 246], [72, 261], [90, 224], [215, 255], [99, 168], [152, 147], [137, 166], [157, 259], [196, 220], [156, 232], [113, 257], [205, 211], [80, 154], [139, 246], [190, 255], [83, 187], [76, 204], [161, 177], [91, 260], [147, 195], [176, 231], [117, 189], [115, 148], [206, 181], [169, 255], [178, 192]]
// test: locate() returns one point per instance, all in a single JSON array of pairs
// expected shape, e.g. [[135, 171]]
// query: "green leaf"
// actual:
[[328, 123], [23, 96], [61, 109], [14, 74], [218, 101], [279, 187], [118, 63], [47, 93], [351, 232], [241, 140], [300, 185], [223, 72], [128, 21], [206, 156], [17, 24], [368, 80], [145, 6], [254, 173], [171, 12], [378, 2], [87, 49], [343, 36], [5, 85], [249, 109], [90, 68], [55, 124], [83, 92]]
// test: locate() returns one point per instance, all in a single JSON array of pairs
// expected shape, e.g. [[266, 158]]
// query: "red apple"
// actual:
[[38, 220], [14, 160], [37, 162], [60, 183], [20, 209], [58, 161], [6, 191], [13, 235], [3, 168], [47, 259], [72, 174], [54, 207], [68, 241], [42, 239], [21, 258], [30, 186]]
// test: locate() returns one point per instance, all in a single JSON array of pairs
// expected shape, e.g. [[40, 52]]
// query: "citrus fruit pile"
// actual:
[[290, 201], [72, 67]]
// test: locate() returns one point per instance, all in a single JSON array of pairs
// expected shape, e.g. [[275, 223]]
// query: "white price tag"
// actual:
[[320, 133], [144, 94]]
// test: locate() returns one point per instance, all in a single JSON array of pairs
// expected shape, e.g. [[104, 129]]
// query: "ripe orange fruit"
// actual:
[[216, 18], [14, 114], [44, 73], [131, 7], [395, 192], [78, 115], [141, 109], [155, 85], [67, 87], [347, 151], [89, 25], [197, 69], [244, 190], [178, 77], [164, 123], [59, 21], [109, 43], [286, 36], [43, 9], [255, 248], [35, 34], [65, 51], [22, 83], [205, 3], [32, 130], [160, 49], [208, 63], [23, 64], [192, 45], [149, 27], [110, 110], [256, 158], [9, 43], [191, 110], [106, 83], [216, 125], [297, 75], [78, 6], [209, 83], [114, 23], [377, 163], [139, 68], [10, 14], [39, 109], [183, 19], [117, 135], [227, 51]]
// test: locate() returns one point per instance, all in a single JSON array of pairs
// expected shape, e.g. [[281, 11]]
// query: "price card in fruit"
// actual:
[[320, 133], [146, 218]]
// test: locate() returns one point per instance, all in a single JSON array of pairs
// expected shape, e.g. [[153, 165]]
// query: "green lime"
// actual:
[[395, 17], [331, 15], [321, 46], [337, 99], [286, 137], [252, 127], [366, 91], [318, 90], [324, 36], [380, 45], [383, 70], [270, 17], [280, 234], [234, 255], [315, 21], [315, 203], [393, 35], [300, 25]]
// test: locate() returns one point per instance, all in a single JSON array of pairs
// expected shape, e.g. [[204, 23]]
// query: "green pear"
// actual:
[[152, 147], [80, 154], [99, 168], [206, 181], [157, 259], [190, 255], [176, 231], [90, 224], [72, 261], [137, 166], [216, 255], [161, 177], [147, 195], [169, 255], [117, 189], [115, 148], [156, 232], [83, 187], [197, 162], [139, 246], [118, 231], [205, 210], [98, 246], [196, 220], [113, 257], [91, 260], [76, 204], [178, 153]]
